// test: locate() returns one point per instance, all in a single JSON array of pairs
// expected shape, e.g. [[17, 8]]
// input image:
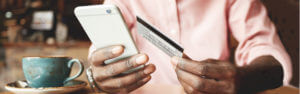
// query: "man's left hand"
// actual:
[[208, 76]]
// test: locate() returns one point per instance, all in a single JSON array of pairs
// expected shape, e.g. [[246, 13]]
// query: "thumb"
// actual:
[[185, 56]]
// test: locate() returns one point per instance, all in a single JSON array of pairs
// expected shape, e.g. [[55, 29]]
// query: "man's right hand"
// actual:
[[108, 76]]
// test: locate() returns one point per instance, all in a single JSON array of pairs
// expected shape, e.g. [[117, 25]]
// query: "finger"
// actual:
[[198, 68], [219, 69], [139, 84], [129, 88], [185, 56], [200, 84], [188, 89], [98, 57], [126, 80], [120, 66]]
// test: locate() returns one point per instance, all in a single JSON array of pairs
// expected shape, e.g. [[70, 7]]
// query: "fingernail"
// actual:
[[148, 70], [117, 50], [146, 79], [141, 59]]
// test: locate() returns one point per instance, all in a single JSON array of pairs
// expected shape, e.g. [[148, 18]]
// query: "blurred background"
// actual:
[[49, 27]]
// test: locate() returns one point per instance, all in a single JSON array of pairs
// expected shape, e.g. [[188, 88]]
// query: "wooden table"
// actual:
[[280, 90]]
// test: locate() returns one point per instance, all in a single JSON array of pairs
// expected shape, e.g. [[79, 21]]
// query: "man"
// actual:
[[202, 27]]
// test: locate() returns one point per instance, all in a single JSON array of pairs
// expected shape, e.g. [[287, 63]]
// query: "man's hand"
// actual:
[[208, 76], [108, 76]]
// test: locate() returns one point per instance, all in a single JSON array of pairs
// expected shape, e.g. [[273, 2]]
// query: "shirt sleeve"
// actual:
[[127, 14], [256, 34]]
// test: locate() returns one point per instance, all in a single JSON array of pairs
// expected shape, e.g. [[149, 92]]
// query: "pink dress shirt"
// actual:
[[202, 28]]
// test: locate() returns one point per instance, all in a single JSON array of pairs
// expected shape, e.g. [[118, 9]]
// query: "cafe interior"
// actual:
[[56, 31]]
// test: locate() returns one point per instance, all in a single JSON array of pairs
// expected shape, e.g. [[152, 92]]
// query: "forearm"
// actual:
[[263, 73]]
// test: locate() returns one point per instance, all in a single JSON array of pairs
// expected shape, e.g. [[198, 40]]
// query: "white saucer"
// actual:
[[18, 88]]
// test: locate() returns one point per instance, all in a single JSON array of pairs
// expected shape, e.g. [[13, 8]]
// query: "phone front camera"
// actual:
[[108, 11]]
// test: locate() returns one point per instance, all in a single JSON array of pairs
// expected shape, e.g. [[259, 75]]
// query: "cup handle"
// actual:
[[70, 64]]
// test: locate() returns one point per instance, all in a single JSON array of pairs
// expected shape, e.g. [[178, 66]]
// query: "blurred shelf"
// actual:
[[36, 44]]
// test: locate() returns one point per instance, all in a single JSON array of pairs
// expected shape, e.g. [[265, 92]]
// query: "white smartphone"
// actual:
[[105, 26]]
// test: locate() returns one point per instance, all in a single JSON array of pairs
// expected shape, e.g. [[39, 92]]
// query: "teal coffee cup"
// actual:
[[49, 71]]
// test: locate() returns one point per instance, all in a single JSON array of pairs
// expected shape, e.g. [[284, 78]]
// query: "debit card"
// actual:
[[158, 39]]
